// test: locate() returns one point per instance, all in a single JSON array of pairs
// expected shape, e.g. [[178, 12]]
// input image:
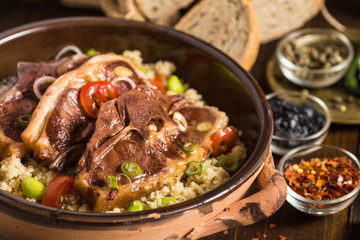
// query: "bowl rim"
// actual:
[[313, 98], [302, 32], [49, 216], [301, 198]]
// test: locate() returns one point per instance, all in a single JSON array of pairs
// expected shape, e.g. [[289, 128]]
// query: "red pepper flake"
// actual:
[[258, 235], [272, 225], [323, 178], [281, 237]]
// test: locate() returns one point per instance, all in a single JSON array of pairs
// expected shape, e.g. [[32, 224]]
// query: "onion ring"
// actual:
[[66, 49], [40, 81], [124, 79]]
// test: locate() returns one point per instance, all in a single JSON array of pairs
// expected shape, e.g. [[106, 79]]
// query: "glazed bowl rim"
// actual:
[[259, 153], [300, 198]]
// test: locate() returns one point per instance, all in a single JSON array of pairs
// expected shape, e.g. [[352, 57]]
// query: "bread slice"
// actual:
[[162, 12], [125, 9], [278, 17], [229, 25]]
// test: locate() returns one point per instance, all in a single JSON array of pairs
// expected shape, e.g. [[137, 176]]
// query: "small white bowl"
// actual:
[[314, 78], [317, 207], [282, 144]]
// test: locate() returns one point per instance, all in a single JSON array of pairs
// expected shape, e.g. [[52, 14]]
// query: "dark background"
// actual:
[[287, 221]]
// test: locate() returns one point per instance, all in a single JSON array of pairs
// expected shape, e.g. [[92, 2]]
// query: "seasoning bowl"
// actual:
[[314, 58], [319, 207], [304, 119]]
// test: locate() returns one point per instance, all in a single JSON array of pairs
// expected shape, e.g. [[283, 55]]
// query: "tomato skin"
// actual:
[[61, 185], [158, 83], [224, 140], [93, 94]]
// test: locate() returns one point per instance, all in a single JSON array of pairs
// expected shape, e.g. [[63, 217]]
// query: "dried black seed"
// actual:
[[293, 120]]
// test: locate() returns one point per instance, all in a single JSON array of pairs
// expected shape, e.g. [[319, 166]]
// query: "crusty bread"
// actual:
[[229, 25], [162, 12], [278, 17], [121, 9]]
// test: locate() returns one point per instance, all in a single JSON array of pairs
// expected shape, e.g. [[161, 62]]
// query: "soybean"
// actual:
[[166, 201], [135, 206], [175, 85], [32, 188]]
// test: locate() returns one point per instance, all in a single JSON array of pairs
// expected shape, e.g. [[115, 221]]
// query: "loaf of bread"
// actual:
[[278, 17], [162, 12], [229, 25]]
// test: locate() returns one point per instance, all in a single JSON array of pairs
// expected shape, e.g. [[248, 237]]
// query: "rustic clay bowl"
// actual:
[[221, 81]]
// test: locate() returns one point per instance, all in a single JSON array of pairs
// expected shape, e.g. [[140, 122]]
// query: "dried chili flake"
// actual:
[[258, 235], [323, 178], [272, 225], [281, 237]]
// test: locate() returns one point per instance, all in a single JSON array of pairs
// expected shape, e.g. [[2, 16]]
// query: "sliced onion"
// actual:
[[124, 79], [38, 82], [87, 130], [180, 120], [66, 49], [122, 176]]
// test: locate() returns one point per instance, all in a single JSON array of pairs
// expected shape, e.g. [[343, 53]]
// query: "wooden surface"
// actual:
[[287, 221]]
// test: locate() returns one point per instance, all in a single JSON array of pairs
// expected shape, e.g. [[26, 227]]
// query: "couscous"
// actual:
[[179, 186]]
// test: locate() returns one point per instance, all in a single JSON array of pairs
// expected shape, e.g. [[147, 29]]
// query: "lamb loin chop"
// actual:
[[144, 127], [18, 99], [59, 127]]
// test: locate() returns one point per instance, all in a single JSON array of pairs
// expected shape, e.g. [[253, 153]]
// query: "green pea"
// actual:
[[175, 85], [166, 201], [32, 188], [90, 52], [135, 206]]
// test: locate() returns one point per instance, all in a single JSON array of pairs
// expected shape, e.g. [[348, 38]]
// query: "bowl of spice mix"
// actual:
[[314, 58], [321, 179], [299, 119]]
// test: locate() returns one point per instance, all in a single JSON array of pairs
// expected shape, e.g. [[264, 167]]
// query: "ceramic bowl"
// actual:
[[221, 81], [281, 144], [318, 207], [317, 77]]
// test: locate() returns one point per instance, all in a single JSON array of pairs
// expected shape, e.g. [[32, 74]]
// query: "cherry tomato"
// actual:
[[224, 140], [158, 82], [93, 94], [60, 186]]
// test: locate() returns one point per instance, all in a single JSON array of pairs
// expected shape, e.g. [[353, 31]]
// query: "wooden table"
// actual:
[[287, 221]]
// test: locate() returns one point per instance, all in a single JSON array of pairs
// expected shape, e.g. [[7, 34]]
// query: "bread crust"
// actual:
[[277, 22], [253, 44], [125, 9], [162, 12], [251, 47]]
